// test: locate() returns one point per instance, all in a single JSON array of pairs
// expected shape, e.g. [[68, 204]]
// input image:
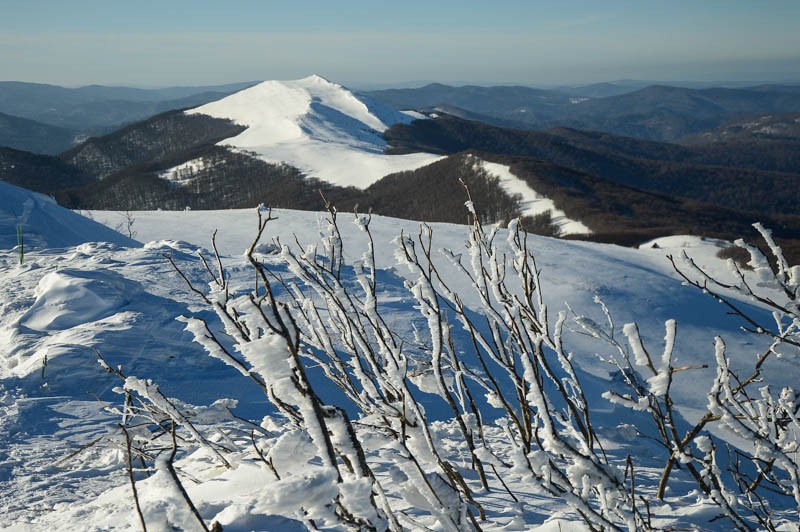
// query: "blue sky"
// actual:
[[188, 42]]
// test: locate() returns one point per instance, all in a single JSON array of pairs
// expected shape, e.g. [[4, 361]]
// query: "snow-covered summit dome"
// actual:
[[319, 126]]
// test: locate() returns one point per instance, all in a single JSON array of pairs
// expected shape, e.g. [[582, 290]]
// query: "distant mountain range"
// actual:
[[626, 188], [30, 135], [285, 143], [761, 129], [96, 106], [655, 113], [75, 114], [743, 177], [41, 173]]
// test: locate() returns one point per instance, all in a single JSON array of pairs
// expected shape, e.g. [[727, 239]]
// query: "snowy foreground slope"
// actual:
[[62, 456], [317, 126]]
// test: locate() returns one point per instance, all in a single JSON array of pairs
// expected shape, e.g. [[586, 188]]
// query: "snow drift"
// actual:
[[67, 297]]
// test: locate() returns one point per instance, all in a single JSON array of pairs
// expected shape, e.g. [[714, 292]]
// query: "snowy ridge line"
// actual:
[[317, 126], [531, 202]]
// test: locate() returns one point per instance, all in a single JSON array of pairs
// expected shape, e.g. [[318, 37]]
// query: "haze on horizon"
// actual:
[[358, 42]]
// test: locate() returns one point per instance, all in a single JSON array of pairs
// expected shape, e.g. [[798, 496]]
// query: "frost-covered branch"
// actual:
[[767, 423]]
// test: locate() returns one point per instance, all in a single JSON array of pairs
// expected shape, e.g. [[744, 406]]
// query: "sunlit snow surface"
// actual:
[[62, 303], [317, 126]]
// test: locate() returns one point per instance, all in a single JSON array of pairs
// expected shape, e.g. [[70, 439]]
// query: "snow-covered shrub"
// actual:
[[326, 317], [485, 399], [743, 403], [765, 467]]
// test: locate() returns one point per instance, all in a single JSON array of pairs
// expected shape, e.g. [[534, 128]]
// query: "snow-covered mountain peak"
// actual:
[[309, 107], [317, 79], [316, 125]]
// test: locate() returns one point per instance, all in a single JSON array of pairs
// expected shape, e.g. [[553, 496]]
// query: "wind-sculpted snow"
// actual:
[[317, 126], [62, 454], [66, 298], [61, 309]]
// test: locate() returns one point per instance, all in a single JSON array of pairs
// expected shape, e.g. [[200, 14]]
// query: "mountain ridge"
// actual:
[[29, 135], [657, 167], [97, 109]]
